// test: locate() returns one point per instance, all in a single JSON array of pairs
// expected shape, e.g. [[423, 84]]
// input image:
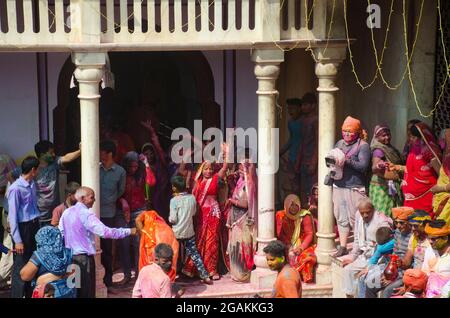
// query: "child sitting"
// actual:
[[385, 244], [183, 207]]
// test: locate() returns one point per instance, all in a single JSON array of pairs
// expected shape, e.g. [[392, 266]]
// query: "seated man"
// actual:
[[153, 281], [436, 262], [367, 222], [415, 283], [418, 242], [402, 236], [288, 283]]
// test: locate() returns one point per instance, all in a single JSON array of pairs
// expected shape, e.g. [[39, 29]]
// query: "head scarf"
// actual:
[[430, 145], [162, 192], [392, 154], [437, 228], [292, 198], [379, 129], [51, 251], [419, 216], [352, 124], [415, 279], [402, 212], [312, 200], [147, 145]]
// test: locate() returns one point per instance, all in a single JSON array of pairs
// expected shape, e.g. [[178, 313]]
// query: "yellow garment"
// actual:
[[19, 160], [438, 198]]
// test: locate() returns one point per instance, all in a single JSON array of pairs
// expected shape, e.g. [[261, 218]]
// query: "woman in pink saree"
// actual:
[[241, 222]]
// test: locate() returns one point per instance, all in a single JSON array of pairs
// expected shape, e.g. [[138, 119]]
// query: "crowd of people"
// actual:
[[400, 226], [203, 216], [166, 220]]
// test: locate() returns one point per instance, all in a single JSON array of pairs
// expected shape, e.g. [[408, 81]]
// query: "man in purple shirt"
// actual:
[[23, 217], [79, 226]]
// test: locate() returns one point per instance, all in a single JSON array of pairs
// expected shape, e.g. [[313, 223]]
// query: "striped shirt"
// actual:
[[401, 246]]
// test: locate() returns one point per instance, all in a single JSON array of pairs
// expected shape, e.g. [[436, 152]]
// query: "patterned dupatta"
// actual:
[[430, 143]]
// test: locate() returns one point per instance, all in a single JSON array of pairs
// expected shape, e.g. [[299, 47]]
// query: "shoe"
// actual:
[[207, 281], [341, 252]]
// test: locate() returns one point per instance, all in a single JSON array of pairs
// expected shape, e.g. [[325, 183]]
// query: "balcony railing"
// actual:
[[156, 24]]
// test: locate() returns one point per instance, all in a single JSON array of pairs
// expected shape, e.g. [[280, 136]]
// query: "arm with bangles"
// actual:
[[155, 141], [222, 172]]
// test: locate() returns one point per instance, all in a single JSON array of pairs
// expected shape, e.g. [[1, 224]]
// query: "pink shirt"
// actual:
[[152, 282], [57, 213]]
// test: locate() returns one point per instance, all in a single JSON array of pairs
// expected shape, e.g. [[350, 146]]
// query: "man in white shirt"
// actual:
[[367, 222]]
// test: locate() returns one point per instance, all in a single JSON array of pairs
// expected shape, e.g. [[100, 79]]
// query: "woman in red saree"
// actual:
[[208, 219], [422, 167], [295, 228]]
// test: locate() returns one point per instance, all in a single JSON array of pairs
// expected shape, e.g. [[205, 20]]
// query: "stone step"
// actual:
[[224, 288]]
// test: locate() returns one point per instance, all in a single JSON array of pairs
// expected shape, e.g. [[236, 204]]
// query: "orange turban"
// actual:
[[435, 228], [352, 124], [402, 212], [415, 279]]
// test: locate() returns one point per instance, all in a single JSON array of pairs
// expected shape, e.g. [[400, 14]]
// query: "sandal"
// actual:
[[215, 277]]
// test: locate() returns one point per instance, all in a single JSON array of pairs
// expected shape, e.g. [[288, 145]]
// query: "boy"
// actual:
[[153, 281], [385, 244], [288, 283], [183, 207], [70, 190]]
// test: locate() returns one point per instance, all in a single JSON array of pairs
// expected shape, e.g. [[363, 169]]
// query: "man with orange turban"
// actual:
[[402, 237], [351, 188], [415, 283], [437, 257], [153, 231]]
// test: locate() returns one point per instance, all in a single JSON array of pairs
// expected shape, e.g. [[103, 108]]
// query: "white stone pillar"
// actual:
[[326, 71], [266, 71], [88, 72]]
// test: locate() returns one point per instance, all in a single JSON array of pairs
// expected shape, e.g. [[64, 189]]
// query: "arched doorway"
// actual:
[[171, 88]]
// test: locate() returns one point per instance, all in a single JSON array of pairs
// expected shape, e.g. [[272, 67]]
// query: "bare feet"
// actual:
[[207, 281]]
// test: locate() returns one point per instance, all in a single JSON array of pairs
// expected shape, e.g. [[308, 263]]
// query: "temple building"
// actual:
[[70, 68]]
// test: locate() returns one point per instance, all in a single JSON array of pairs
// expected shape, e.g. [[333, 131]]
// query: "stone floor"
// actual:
[[223, 288]]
